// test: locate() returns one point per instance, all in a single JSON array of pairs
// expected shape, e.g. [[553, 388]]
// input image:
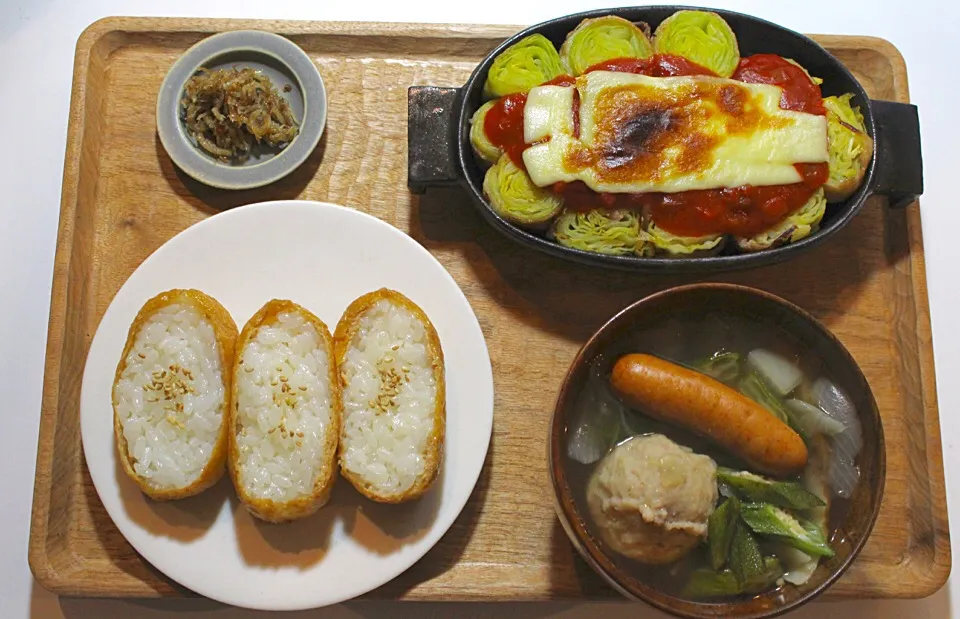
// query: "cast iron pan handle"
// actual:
[[431, 137], [899, 173]]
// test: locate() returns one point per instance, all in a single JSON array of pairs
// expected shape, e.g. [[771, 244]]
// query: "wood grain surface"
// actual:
[[122, 198]]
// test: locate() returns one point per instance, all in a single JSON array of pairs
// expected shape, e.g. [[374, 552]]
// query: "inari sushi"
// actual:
[[171, 394], [285, 423], [394, 394]]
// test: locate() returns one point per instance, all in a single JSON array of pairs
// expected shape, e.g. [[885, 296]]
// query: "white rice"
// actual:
[[170, 436], [281, 429], [385, 447]]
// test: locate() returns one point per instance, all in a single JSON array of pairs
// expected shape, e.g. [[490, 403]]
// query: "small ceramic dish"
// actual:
[[632, 330], [295, 77]]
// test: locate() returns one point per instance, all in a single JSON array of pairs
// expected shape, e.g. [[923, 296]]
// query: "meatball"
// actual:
[[651, 498]]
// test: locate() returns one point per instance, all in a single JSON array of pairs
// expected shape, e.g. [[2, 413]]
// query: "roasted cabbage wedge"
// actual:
[[514, 197], [601, 39], [529, 62], [615, 233], [795, 227], [482, 146], [683, 246], [849, 147], [701, 37]]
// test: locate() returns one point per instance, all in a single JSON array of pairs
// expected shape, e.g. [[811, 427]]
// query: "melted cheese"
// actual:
[[548, 111], [642, 134]]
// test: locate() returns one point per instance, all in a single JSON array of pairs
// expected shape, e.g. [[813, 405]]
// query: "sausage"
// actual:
[[675, 394]]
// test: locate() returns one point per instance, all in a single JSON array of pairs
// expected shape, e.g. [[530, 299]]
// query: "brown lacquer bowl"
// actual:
[[848, 534]]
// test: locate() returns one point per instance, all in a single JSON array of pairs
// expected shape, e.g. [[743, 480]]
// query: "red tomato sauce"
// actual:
[[659, 65], [561, 80], [576, 114], [800, 94], [504, 126], [742, 211]]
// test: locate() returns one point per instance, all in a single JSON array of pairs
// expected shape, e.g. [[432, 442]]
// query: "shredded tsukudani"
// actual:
[[229, 111]]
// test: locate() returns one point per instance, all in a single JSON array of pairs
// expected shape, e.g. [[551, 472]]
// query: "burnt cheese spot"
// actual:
[[731, 99], [635, 137]]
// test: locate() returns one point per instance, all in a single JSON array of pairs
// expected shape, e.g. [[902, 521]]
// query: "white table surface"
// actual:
[[37, 41]]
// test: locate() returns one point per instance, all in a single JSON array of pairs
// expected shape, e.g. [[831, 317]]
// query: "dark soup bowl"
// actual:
[[651, 492], [440, 153]]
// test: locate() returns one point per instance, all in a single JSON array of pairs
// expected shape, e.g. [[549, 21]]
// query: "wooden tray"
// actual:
[[122, 198]]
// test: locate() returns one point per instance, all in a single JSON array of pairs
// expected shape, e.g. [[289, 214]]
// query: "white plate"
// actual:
[[321, 256]]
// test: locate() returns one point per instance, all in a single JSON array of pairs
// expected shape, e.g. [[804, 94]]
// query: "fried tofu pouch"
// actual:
[[285, 422], [171, 394], [394, 391]]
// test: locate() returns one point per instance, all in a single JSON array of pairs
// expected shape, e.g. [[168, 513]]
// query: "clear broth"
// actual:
[[687, 340]]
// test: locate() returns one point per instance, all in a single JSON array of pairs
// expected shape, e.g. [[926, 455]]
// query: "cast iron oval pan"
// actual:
[[438, 141]]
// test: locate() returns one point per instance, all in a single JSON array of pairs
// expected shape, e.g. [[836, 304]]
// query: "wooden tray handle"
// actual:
[[432, 137], [899, 173]]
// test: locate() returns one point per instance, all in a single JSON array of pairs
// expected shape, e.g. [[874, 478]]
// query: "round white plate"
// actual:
[[321, 256]]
